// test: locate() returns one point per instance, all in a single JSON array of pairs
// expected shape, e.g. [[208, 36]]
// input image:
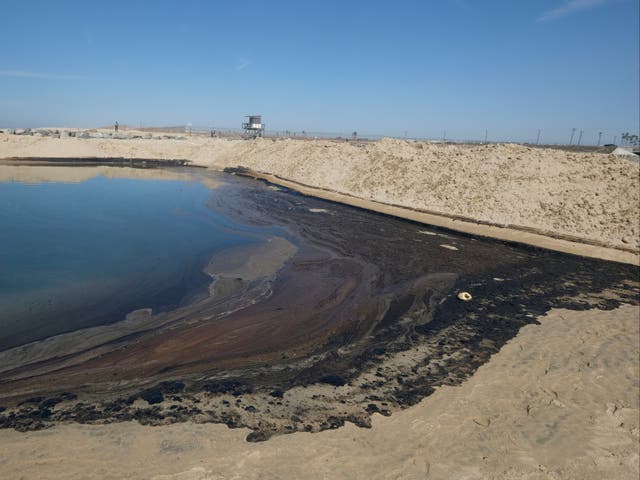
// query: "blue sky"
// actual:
[[380, 67]]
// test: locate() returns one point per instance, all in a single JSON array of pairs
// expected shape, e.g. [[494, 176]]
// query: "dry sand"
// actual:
[[592, 196], [558, 401]]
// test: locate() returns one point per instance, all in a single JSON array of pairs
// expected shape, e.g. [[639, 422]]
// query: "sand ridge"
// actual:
[[524, 235], [594, 196]]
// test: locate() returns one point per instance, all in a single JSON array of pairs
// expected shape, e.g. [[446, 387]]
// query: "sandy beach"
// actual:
[[558, 401]]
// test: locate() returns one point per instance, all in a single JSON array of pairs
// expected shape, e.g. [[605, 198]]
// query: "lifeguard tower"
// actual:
[[253, 127]]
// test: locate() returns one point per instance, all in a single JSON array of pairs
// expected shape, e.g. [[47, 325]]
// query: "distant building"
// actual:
[[254, 126]]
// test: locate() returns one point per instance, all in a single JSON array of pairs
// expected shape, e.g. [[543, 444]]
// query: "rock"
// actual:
[[257, 436]]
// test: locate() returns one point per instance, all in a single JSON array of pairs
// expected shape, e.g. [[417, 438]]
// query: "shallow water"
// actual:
[[81, 254]]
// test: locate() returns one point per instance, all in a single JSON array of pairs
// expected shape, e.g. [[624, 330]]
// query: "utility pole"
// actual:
[[538, 138], [580, 137], [444, 136], [573, 131], [599, 137], [486, 133], [615, 137]]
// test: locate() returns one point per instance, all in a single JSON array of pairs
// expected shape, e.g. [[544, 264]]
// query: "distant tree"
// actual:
[[624, 137], [629, 139]]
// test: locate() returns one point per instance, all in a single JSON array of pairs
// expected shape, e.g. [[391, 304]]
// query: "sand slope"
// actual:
[[590, 195], [558, 401]]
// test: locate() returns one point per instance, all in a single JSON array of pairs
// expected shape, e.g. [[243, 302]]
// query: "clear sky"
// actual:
[[378, 67]]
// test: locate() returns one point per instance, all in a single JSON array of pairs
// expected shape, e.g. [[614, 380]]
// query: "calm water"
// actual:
[[81, 254]]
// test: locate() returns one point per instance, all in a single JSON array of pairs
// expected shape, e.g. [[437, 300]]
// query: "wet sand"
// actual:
[[363, 318]]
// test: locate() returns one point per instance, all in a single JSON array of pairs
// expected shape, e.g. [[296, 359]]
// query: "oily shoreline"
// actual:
[[457, 223], [526, 235], [411, 333]]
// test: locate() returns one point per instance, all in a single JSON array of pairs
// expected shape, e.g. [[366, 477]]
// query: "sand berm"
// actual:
[[592, 196]]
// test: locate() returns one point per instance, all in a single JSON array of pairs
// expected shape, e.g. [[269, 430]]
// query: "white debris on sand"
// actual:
[[620, 151]]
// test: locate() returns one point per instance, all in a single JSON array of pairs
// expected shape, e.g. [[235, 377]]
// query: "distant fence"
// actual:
[[575, 138]]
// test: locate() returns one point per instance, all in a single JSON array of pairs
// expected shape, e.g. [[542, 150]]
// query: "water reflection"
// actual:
[[83, 246]]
